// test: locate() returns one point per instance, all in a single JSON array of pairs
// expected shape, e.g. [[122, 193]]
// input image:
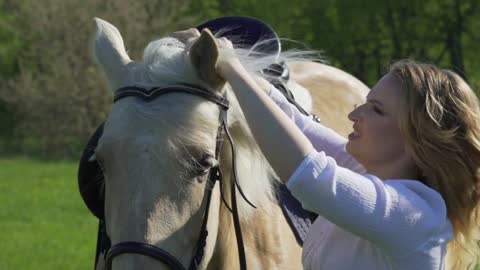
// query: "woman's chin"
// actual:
[[350, 147]]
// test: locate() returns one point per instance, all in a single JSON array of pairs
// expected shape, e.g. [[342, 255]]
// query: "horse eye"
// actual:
[[203, 165]]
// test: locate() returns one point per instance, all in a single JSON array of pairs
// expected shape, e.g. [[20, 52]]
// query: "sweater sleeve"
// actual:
[[321, 137], [395, 214]]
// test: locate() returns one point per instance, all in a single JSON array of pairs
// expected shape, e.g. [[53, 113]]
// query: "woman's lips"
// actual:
[[354, 135]]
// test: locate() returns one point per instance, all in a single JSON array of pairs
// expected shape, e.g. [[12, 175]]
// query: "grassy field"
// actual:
[[43, 221]]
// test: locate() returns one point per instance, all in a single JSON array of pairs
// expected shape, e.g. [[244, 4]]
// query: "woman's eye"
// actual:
[[377, 110]]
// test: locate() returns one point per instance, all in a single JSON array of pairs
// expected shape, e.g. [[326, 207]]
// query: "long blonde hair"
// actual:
[[441, 126]]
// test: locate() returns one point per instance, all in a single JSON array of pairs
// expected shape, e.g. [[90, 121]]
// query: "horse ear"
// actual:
[[110, 52], [204, 54]]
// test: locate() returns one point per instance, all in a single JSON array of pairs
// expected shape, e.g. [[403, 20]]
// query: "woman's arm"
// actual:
[[321, 137], [282, 143], [397, 215]]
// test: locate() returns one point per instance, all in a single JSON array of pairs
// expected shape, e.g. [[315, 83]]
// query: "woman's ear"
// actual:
[[204, 54]]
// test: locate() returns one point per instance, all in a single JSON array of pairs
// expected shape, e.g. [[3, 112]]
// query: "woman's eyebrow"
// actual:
[[375, 101]]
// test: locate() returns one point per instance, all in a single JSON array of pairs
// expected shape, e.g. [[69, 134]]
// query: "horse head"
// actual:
[[158, 154]]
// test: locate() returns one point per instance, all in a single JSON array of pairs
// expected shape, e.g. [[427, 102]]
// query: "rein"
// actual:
[[214, 176]]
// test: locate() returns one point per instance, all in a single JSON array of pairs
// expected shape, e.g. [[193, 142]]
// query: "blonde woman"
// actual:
[[402, 192]]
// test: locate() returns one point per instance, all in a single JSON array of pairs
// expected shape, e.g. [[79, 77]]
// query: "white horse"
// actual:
[[156, 156]]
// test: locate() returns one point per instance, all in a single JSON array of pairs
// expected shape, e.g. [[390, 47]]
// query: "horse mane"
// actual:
[[164, 63]]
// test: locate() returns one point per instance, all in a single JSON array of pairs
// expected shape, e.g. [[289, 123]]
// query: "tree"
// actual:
[[60, 95]]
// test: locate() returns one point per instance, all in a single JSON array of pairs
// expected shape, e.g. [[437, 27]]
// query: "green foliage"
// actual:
[[10, 44], [363, 37], [206, 9], [7, 121], [58, 95], [43, 221], [61, 96]]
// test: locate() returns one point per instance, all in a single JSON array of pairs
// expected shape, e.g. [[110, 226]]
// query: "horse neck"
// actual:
[[269, 243], [254, 174]]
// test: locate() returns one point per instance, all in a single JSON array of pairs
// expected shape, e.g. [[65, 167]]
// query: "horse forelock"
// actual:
[[165, 62]]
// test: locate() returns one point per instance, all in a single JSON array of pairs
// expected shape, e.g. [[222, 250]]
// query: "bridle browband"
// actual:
[[153, 93], [214, 176]]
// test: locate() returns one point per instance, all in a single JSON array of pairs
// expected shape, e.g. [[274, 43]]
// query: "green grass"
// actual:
[[43, 221]]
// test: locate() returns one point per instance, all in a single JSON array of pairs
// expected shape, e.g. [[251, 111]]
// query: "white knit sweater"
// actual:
[[364, 223]]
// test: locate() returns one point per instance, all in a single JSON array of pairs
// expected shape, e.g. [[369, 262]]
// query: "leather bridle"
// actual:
[[214, 176]]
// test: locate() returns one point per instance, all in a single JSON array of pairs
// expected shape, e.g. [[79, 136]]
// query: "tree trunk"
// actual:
[[360, 67], [380, 68], [225, 5], [454, 46], [390, 21], [454, 42]]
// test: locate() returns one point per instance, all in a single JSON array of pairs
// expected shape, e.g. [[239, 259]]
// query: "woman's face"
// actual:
[[376, 141]]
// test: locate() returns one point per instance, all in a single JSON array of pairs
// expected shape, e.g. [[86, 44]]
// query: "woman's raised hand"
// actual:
[[227, 58], [186, 36]]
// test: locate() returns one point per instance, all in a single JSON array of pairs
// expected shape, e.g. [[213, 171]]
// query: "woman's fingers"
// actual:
[[186, 36], [224, 43]]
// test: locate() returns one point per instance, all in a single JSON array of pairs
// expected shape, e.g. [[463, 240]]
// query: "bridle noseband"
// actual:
[[214, 176]]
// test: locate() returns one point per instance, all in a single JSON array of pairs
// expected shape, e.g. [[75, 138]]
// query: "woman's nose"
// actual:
[[354, 114]]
